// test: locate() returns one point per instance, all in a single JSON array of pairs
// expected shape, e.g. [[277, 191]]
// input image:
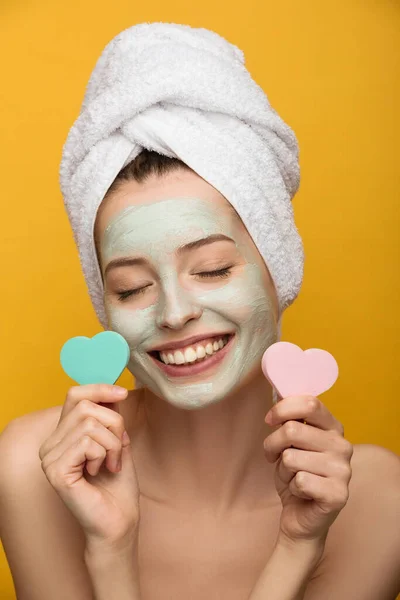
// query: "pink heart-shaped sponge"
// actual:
[[294, 372]]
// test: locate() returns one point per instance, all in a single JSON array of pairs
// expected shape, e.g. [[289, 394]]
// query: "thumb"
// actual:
[[127, 456], [126, 440]]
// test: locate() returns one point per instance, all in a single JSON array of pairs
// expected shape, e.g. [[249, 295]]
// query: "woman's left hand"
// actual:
[[312, 478]]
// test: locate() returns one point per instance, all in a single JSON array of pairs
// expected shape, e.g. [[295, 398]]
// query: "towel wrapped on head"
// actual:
[[185, 92]]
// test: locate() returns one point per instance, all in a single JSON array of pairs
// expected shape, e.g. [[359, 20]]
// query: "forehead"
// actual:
[[178, 184], [169, 221]]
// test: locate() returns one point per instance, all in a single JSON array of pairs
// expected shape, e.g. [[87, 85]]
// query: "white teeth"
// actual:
[[200, 352], [179, 358], [191, 354]]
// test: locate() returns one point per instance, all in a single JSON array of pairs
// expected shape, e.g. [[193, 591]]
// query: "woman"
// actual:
[[210, 500]]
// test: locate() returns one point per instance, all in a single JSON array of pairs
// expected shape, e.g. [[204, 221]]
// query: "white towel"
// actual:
[[185, 92]]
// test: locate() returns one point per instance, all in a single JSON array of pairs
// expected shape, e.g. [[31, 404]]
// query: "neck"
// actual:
[[211, 457]]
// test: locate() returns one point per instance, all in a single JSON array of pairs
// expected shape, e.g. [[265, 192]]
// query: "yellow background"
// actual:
[[331, 69]]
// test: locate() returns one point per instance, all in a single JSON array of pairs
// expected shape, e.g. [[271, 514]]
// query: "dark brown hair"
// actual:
[[145, 165]]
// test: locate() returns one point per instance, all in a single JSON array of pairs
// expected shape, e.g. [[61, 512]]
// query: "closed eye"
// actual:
[[219, 273], [123, 295]]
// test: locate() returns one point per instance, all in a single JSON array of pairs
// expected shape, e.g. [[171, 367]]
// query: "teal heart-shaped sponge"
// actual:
[[100, 359]]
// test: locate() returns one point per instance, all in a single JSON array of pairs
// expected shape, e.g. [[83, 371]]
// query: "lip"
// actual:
[[203, 366], [188, 341]]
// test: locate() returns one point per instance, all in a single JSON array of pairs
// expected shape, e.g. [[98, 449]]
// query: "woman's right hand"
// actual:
[[105, 502]]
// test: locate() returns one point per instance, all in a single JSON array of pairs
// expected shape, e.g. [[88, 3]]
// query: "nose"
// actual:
[[176, 308]]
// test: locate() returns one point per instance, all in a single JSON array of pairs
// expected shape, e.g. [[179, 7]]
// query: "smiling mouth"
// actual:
[[196, 366], [196, 353]]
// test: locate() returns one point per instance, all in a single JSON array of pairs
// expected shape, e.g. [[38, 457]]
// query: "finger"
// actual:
[[308, 408], [330, 495], [284, 473], [109, 419], [317, 463], [95, 431], [95, 392], [109, 406], [305, 437], [117, 466], [67, 469]]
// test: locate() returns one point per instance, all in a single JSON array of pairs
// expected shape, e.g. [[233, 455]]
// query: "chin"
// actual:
[[199, 394], [194, 396]]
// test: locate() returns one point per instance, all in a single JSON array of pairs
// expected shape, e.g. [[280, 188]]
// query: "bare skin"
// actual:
[[193, 553], [209, 510]]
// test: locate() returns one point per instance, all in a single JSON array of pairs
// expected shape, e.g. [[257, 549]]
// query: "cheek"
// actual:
[[134, 325], [244, 298]]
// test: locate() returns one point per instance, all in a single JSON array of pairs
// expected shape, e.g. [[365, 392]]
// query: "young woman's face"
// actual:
[[167, 296]]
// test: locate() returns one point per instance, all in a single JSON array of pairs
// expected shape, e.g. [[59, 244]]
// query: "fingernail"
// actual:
[[125, 438], [119, 391], [268, 419]]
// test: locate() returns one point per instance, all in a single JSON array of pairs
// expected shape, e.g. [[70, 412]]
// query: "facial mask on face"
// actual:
[[240, 303]]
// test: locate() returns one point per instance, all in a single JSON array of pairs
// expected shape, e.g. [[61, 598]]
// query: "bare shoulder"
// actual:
[[42, 540], [367, 456], [362, 554], [375, 482], [22, 438]]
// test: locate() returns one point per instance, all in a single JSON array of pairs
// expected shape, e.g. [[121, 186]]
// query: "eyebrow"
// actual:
[[128, 261]]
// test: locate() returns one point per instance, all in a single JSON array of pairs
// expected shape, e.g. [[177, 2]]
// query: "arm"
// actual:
[[114, 573], [362, 550], [362, 553], [43, 543], [288, 571]]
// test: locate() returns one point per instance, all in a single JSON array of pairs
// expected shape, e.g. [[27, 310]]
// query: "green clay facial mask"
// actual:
[[176, 303]]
